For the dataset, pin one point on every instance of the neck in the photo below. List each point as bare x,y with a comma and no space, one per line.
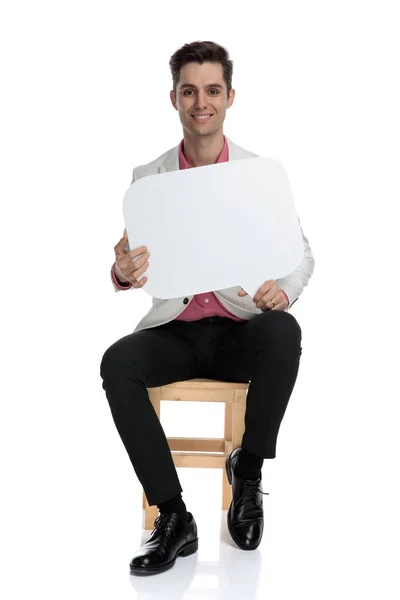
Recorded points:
202,150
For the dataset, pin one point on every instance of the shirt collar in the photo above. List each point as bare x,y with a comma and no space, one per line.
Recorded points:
223,157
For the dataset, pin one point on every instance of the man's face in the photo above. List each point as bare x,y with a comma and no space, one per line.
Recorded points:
201,90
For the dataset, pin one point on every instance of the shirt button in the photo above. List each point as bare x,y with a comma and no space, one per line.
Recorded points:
206,300
186,300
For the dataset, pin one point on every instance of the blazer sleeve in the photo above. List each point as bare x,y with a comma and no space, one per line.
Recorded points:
294,283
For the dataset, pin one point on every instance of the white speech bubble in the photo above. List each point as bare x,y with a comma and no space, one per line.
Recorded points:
214,227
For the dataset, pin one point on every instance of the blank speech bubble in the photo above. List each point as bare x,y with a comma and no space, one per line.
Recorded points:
214,227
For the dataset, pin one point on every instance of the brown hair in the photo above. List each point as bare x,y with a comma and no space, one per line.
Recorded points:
201,52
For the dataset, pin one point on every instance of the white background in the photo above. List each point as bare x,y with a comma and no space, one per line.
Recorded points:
85,98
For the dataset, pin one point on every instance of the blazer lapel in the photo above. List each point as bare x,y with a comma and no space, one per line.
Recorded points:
171,162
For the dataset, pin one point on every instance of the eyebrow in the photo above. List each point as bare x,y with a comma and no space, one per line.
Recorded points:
190,85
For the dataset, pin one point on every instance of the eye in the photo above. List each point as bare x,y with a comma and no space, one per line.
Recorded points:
185,92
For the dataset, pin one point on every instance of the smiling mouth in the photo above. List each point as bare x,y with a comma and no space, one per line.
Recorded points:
201,118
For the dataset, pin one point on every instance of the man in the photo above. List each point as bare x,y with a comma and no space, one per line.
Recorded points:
222,334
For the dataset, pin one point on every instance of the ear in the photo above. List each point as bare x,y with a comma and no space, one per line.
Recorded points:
173,99
231,98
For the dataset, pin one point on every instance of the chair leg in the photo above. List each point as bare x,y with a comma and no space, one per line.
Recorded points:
226,491
228,421
239,410
226,488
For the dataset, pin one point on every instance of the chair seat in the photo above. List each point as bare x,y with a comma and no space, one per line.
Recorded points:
206,383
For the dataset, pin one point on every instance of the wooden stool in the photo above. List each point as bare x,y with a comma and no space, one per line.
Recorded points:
203,452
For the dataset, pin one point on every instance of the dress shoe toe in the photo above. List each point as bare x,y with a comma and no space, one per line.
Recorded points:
247,535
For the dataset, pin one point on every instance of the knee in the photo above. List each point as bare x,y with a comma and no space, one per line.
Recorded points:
111,360
280,326
124,356
107,361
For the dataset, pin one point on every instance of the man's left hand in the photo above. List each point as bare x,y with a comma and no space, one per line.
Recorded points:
270,290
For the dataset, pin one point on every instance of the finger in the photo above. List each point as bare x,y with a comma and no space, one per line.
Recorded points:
132,271
138,272
279,306
139,284
135,274
127,261
119,248
263,302
275,294
260,292
263,290
137,251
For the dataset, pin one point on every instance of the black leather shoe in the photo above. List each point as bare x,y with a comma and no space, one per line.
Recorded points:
170,538
245,514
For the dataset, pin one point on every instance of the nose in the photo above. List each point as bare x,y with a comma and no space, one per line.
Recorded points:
201,100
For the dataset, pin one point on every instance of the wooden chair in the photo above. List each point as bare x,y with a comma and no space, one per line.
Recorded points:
203,452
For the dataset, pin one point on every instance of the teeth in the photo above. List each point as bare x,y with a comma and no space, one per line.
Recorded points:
201,116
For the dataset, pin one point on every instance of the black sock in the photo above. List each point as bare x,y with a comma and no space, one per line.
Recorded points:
248,465
176,505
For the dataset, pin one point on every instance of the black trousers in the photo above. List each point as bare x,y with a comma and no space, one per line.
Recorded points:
264,351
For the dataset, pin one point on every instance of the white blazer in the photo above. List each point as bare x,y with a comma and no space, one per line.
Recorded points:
163,311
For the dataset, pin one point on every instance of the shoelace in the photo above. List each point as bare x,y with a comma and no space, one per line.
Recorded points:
252,489
161,524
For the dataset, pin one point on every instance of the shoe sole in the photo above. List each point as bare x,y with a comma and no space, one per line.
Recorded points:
232,533
186,550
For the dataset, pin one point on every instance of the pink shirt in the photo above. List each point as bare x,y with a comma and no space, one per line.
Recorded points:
202,305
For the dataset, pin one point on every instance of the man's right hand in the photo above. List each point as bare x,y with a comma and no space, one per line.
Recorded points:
126,269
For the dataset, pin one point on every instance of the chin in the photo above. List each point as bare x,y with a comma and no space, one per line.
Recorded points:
204,132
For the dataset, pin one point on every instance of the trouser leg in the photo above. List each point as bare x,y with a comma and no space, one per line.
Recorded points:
148,358
266,351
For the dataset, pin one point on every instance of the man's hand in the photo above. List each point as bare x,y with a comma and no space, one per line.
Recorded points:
270,290
126,268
